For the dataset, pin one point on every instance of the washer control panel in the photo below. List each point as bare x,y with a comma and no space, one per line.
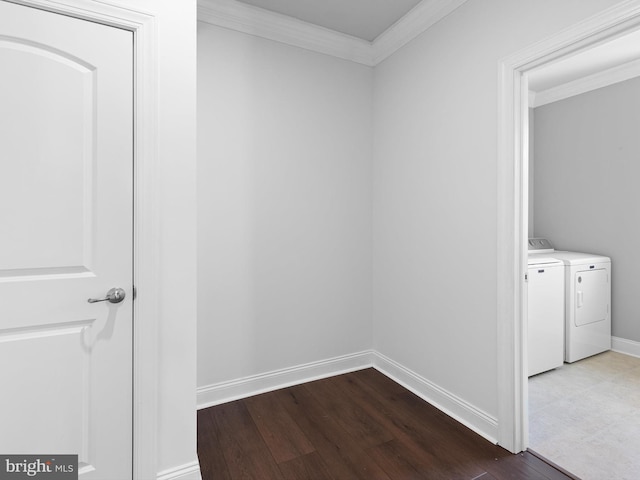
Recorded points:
537,244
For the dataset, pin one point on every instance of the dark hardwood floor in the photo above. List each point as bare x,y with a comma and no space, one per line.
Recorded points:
360,425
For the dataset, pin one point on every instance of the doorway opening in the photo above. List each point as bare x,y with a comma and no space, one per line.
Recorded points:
581,41
582,171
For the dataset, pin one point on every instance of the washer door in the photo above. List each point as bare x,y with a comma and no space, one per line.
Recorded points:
592,296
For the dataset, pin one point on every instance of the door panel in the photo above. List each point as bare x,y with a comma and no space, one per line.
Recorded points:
48,139
50,359
66,203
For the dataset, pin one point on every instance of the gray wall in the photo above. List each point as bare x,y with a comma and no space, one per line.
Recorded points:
531,170
435,191
586,177
284,206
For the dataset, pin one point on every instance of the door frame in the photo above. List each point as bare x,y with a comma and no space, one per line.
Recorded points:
146,214
513,160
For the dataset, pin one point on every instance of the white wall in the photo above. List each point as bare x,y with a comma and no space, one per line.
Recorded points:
284,205
178,267
435,190
586,186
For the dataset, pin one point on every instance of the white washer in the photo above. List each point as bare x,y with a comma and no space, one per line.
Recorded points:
588,304
545,309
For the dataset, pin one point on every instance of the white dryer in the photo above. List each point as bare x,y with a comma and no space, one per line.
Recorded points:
588,304
545,309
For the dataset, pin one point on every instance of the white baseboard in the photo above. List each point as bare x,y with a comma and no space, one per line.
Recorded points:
245,387
462,411
480,422
189,471
628,347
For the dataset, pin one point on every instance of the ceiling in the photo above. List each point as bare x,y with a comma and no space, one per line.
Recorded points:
364,19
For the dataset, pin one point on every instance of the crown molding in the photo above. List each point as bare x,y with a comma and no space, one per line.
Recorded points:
419,19
263,23
282,28
602,79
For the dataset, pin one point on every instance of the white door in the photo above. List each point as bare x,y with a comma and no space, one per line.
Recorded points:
66,214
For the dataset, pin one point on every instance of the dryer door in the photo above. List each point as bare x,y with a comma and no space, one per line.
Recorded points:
592,296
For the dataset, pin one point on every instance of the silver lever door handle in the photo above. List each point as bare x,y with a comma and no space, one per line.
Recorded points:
115,295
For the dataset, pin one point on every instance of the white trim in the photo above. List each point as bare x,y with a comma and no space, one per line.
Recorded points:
146,256
628,347
511,299
99,12
602,79
266,382
480,422
510,266
190,471
419,19
263,23
146,247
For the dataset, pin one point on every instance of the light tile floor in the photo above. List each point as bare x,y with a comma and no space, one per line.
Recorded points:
585,417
